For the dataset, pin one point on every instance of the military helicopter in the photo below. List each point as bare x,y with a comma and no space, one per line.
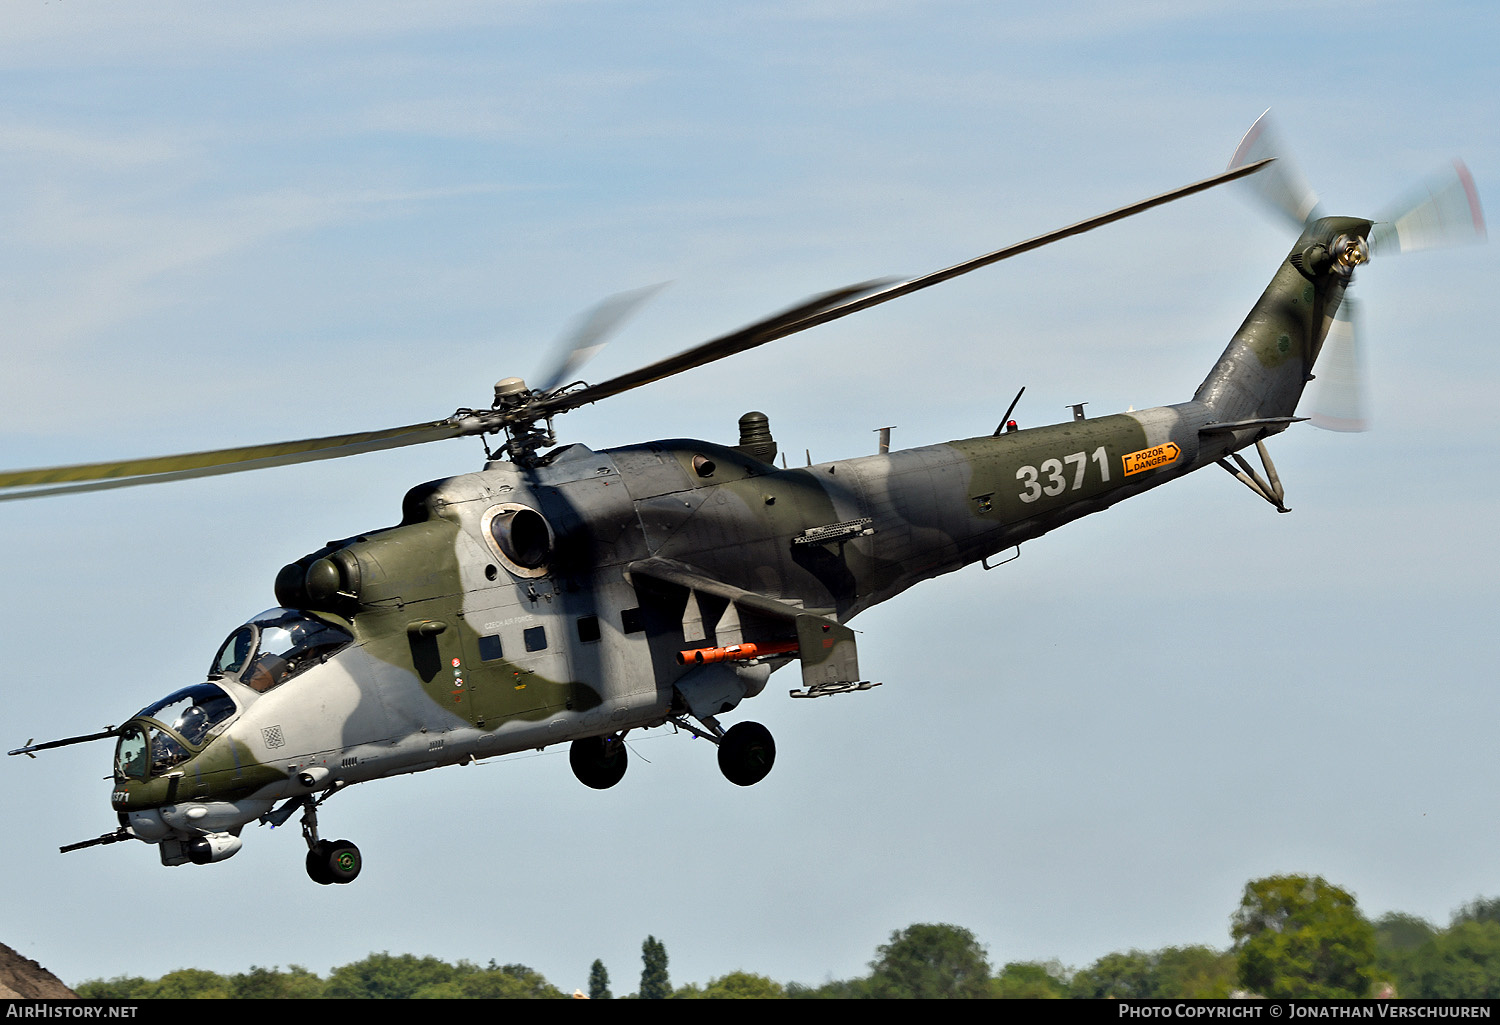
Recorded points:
560,595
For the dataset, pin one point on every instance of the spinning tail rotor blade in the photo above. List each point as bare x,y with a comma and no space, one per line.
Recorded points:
1281,186
1339,401
1443,212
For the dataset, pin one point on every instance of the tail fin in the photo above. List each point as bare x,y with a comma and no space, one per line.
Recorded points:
1269,361
1270,358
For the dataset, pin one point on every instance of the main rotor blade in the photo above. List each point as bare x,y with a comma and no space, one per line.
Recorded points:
762,331
834,305
573,350
820,309
129,472
1037,242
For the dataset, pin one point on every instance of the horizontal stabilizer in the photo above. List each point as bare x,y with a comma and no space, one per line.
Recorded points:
1231,426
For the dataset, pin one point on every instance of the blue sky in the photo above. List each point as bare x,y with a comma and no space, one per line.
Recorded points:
253,222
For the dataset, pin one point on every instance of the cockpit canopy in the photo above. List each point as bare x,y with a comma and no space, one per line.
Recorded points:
264,653
185,717
274,647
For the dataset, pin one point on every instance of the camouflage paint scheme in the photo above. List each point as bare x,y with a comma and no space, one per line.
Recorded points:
673,545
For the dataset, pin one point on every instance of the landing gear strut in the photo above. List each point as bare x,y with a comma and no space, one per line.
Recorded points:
746,749
599,762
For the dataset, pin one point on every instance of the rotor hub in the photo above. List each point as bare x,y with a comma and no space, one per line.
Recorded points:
1349,251
510,392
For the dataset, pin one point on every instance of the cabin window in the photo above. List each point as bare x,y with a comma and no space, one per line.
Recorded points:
631,621
588,628
489,648
536,638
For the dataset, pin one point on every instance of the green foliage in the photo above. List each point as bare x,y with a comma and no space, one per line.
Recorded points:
183,984
1192,972
599,981
1395,931
1397,939
1296,936
1030,980
1196,973
1127,976
510,982
930,961
121,987
383,976
734,986
504,982
848,989
296,983
386,977
192,984
1480,909
377,976
1461,962
654,982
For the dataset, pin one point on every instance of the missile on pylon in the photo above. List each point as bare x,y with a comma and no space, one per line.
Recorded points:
735,653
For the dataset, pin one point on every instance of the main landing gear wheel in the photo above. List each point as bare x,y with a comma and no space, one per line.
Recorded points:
333,861
746,753
598,762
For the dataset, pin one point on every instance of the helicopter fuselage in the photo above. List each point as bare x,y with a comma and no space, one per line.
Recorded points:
461,650
584,594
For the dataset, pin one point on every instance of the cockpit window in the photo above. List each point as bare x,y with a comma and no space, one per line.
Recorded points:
165,751
192,711
289,643
275,646
187,714
231,657
130,754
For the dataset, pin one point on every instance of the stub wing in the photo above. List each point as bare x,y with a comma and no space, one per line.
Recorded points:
825,648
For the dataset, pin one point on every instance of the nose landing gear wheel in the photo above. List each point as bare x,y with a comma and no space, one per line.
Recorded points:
333,861
746,753
598,762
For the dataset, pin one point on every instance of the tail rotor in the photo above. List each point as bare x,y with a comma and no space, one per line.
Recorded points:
1442,212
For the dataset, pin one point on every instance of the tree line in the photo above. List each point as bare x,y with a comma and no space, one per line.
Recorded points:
1291,936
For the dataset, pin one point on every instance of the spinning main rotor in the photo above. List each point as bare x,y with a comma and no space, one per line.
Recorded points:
525,414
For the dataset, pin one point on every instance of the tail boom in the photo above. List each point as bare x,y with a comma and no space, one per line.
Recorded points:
1269,360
